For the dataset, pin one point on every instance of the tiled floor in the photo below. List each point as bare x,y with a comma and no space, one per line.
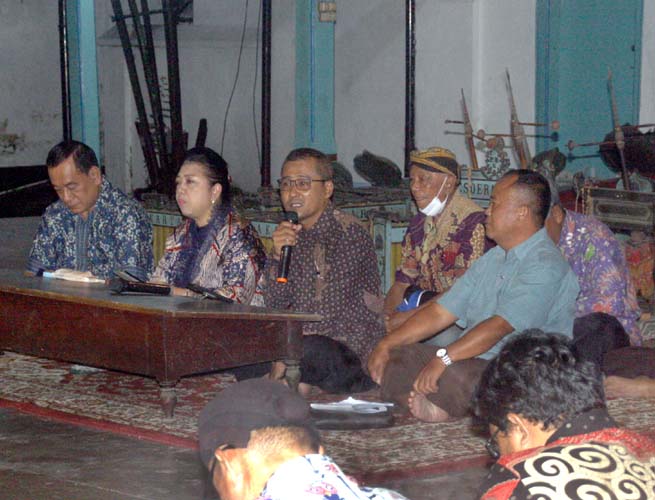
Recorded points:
44,460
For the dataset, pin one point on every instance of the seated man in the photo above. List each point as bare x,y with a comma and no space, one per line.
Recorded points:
333,272
93,227
598,261
549,425
258,442
522,283
442,240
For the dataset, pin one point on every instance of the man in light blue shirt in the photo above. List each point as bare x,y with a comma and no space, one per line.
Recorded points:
522,283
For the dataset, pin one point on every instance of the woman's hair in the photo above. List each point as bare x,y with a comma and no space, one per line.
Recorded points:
215,168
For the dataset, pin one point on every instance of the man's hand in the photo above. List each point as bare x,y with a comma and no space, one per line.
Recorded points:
397,318
286,234
427,381
377,362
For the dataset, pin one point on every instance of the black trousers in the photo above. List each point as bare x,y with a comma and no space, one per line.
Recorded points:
596,334
326,363
600,338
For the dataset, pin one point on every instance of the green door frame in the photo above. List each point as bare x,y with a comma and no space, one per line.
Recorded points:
548,14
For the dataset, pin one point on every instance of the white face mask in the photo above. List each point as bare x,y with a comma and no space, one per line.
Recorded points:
436,206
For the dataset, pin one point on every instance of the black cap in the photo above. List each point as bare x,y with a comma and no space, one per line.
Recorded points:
245,406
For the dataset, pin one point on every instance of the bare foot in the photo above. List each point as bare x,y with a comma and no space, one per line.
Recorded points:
306,390
424,409
278,370
620,387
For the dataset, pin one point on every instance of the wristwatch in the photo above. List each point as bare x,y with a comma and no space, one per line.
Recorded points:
442,354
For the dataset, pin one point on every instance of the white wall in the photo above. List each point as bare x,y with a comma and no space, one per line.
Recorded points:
505,39
30,95
460,43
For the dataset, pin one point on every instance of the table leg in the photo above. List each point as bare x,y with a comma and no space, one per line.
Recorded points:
292,373
168,397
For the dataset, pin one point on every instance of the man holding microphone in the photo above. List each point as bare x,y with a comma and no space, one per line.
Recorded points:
329,268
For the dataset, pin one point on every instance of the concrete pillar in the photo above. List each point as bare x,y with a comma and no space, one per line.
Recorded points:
85,107
314,100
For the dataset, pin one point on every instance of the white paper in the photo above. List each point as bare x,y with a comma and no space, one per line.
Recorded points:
351,404
72,275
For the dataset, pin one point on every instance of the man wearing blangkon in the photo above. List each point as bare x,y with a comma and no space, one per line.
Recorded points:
93,227
522,283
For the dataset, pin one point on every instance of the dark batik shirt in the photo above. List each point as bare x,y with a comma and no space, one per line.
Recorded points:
587,457
333,273
438,250
116,235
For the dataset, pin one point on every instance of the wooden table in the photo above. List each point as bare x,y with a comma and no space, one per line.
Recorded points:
156,336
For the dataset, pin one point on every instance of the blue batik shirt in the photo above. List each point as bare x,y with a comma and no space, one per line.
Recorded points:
530,286
117,235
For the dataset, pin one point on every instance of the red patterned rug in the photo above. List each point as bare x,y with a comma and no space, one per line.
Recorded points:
129,405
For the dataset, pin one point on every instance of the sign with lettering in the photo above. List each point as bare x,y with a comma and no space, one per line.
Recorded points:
478,188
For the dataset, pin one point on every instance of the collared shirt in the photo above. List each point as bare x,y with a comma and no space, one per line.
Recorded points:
530,286
587,457
317,477
333,272
438,250
597,259
116,235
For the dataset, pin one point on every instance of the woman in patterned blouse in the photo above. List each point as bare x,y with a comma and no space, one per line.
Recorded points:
213,248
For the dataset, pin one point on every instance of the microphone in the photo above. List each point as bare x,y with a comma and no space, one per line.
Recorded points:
285,259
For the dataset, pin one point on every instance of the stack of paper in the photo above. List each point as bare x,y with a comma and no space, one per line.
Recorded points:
353,405
72,275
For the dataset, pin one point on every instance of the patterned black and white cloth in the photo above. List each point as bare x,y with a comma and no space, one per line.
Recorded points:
587,457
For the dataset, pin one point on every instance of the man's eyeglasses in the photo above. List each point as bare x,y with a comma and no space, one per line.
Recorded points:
303,184
492,446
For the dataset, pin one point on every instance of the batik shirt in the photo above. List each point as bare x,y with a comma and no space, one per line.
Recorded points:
333,272
598,261
228,260
438,250
317,477
587,457
116,235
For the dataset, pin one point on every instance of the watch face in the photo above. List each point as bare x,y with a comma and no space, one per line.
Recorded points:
441,353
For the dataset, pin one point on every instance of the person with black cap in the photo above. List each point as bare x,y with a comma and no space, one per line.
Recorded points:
257,440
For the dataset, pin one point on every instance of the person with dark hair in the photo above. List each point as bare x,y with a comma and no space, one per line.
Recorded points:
258,442
93,227
522,283
442,240
550,430
332,272
598,261
213,248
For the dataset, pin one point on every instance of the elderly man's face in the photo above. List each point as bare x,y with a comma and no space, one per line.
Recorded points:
308,204
79,191
425,185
